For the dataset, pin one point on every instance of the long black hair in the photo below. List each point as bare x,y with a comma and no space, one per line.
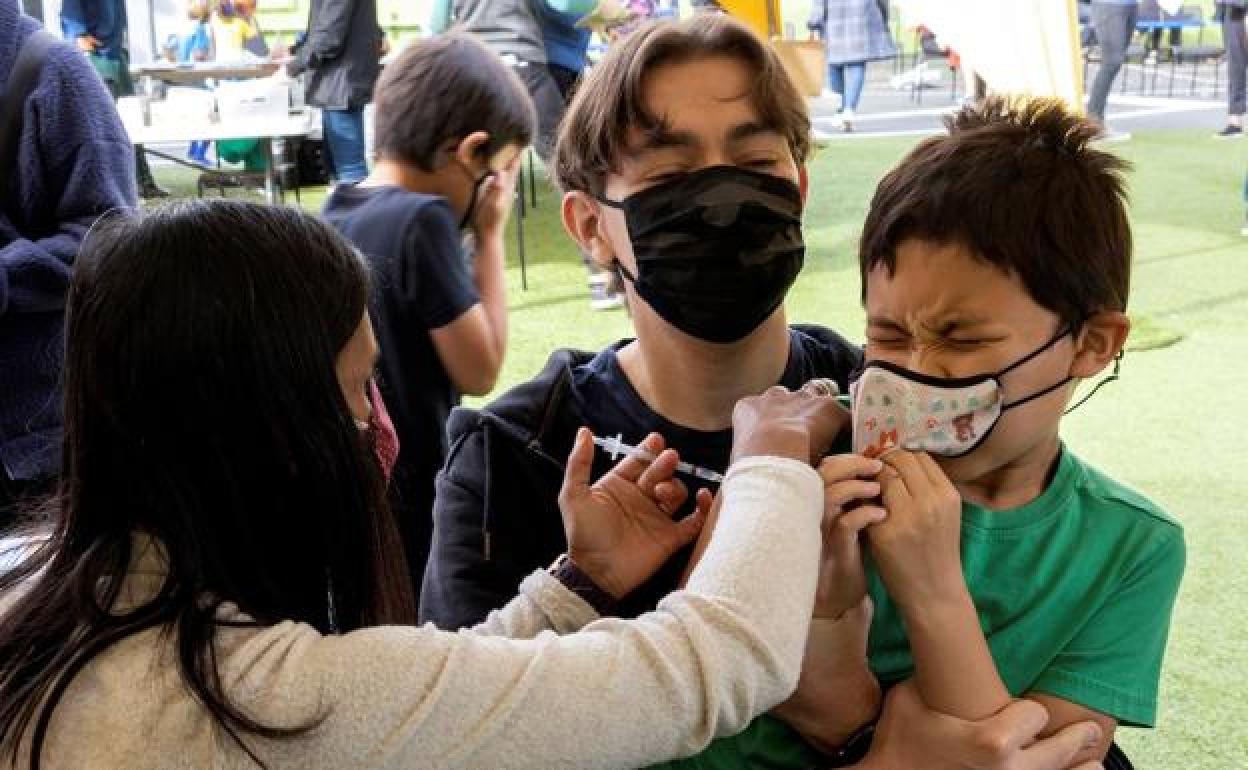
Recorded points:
202,410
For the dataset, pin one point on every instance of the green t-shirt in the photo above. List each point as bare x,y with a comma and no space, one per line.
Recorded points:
1074,592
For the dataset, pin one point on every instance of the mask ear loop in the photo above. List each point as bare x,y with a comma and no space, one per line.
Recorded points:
1113,376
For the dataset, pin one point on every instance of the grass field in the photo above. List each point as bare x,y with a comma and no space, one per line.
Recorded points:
1170,427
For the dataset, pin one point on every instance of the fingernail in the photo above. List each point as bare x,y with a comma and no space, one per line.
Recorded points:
1092,739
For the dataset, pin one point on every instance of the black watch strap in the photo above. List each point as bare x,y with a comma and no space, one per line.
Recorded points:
853,750
566,572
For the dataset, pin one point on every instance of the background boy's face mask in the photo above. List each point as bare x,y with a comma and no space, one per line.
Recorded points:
896,408
716,249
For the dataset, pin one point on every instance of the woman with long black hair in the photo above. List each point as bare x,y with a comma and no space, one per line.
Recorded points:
222,584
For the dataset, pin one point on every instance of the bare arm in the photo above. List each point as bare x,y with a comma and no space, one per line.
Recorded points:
918,549
472,346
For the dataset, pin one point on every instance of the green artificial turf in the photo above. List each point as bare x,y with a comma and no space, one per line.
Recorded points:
1170,427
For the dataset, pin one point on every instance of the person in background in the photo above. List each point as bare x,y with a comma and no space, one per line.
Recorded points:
440,318
854,33
198,46
254,42
98,28
341,54
1114,22
1235,37
71,162
1151,10
567,54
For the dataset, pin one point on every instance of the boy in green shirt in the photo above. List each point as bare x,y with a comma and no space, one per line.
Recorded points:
995,268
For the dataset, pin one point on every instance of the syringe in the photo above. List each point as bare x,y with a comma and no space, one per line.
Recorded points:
617,448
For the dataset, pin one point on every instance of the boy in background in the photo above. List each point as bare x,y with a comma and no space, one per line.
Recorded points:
440,317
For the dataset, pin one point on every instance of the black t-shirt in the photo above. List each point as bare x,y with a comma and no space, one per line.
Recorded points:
421,282
611,406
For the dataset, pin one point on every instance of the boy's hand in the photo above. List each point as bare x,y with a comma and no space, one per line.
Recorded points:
918,547
849,486
495,199
837,693
87,43
620,530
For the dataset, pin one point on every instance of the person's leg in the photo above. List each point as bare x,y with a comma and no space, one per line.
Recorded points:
344,144
836,80
855,79
1236,41
549,103
1114,26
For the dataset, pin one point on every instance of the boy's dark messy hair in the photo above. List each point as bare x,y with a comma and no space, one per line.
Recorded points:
446,88
1018,183
609,104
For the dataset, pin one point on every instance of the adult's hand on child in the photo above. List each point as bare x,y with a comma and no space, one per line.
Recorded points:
620,529
918,546
800,425
837,693
496,197
910,735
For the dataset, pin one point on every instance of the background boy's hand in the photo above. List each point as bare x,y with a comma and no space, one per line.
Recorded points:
918,547
620,530
495,199
87,43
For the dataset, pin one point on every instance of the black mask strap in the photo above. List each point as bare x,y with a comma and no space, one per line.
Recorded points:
472,202
1034,396
1111,378
603,199
1061,332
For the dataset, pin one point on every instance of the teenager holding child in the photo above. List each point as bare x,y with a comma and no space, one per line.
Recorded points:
682,160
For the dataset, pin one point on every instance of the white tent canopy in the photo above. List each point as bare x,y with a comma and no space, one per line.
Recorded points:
1017,46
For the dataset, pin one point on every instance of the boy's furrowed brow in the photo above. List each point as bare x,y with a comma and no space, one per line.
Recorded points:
663,138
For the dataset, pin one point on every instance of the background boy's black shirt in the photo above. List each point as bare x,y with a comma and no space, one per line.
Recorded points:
421,282
496,512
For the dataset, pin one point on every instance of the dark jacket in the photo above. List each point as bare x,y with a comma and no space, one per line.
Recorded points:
496,516
74,163
341,52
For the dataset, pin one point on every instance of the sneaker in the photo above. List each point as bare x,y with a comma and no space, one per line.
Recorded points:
600,295
847,121
1231,131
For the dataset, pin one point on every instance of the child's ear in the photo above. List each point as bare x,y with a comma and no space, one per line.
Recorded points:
582,218
1100,340
471,149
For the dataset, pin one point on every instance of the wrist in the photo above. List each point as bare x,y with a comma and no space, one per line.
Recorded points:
935,610
587,584
774,441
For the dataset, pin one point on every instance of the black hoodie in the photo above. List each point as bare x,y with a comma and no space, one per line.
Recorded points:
496,515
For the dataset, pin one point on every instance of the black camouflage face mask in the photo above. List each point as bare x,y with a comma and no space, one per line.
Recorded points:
717,249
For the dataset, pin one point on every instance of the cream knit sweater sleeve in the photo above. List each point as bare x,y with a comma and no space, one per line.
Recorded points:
615,694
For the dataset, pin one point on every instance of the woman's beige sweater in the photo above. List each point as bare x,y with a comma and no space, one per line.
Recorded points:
520,690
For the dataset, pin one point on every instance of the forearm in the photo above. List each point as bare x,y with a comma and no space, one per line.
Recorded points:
543,604
954,669
491,282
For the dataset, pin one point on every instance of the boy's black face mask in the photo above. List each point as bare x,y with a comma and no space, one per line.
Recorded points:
717,249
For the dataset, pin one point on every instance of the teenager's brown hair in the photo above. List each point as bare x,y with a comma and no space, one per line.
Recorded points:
446,88
1018,183
609,103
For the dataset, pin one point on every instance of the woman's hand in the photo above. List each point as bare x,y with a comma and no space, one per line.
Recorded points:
910,735
918,547
799,425
620,530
